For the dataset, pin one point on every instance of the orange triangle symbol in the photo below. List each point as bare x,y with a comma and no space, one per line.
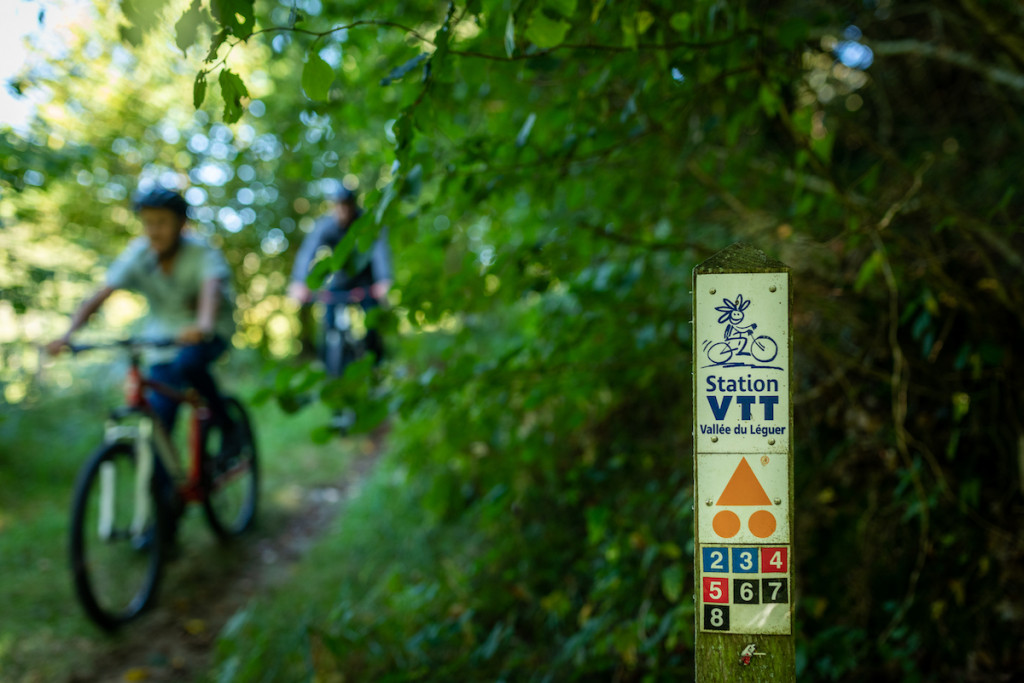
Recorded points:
743,488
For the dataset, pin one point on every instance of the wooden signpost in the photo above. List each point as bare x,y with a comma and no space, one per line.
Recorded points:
743,468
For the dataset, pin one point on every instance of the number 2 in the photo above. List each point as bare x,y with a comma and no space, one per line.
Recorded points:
717,560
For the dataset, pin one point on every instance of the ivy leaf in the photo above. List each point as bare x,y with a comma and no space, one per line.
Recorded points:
187,28
199,89
317,76
544,32
233,90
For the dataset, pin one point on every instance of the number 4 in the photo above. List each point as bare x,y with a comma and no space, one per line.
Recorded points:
775,560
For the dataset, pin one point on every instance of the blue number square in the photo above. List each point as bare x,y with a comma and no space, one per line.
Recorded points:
744,560
715,559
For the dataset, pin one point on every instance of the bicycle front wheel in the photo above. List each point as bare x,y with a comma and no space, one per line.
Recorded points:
232,475
117,530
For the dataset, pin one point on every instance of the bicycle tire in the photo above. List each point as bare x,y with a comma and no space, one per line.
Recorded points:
720,353
764,349
221,475
111,601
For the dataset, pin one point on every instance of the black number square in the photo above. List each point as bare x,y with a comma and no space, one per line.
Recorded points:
716,618
745,591
775,590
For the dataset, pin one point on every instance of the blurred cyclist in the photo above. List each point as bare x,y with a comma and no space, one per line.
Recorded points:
365,277
187,285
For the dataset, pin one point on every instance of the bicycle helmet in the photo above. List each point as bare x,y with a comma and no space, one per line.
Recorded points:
162,198
344,195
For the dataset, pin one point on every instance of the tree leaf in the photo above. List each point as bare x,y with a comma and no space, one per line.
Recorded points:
403,69
524,132
644,20
233,90
215,43
199,90
510,36
629,38
187,28
565,8
681,21
672,582
236,16
317,76
544,32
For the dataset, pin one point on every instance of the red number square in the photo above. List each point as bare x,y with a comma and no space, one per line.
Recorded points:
716,590
774,560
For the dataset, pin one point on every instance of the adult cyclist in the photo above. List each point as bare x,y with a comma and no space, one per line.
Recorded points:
364,278
187,284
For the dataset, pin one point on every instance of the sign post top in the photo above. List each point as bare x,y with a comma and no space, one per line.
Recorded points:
740,258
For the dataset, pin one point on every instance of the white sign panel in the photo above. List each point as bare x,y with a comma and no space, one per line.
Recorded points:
742,498
742,363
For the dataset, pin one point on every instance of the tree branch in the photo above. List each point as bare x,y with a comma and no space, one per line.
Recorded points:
944,53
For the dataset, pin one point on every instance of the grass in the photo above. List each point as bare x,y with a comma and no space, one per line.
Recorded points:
44,635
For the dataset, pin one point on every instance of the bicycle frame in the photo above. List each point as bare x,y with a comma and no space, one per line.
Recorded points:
148,432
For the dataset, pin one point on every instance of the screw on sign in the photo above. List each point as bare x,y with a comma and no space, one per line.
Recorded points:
749,653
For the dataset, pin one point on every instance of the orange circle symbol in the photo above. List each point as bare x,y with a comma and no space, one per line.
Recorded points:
762,524
727,524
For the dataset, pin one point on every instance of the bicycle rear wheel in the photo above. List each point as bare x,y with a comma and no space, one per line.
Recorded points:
232,477
117,533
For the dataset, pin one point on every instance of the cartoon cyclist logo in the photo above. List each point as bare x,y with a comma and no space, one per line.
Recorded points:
739,340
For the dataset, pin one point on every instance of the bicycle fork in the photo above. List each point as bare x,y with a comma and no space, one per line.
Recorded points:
141,438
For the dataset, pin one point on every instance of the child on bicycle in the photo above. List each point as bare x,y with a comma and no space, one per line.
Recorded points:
187,285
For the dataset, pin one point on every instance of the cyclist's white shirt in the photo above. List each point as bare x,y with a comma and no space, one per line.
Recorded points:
174,297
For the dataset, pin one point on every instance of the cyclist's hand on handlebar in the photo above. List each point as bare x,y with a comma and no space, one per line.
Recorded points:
191,335
379,290
300,292
57,346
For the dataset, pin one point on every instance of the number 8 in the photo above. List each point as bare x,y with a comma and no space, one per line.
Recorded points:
717,617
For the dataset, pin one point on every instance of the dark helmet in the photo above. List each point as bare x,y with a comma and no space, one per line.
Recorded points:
162,198
343,195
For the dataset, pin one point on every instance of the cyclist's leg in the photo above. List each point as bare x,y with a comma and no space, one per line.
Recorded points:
166,410
374,340
331,348
192,365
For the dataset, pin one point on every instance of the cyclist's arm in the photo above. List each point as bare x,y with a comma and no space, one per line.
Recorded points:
297,288
81,316
206,313
382,267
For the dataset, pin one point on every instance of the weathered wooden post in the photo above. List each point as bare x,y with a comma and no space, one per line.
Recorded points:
743,468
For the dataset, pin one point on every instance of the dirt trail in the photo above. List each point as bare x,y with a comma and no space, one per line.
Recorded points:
206,586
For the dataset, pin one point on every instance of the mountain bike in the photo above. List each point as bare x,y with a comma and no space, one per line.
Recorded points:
763,348
123,515
345,340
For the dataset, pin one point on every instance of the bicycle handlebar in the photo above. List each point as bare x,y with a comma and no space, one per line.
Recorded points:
341,296
131,343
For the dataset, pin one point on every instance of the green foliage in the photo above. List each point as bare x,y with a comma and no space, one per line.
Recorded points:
562,167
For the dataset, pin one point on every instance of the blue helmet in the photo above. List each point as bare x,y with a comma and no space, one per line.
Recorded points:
343,195
162,198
